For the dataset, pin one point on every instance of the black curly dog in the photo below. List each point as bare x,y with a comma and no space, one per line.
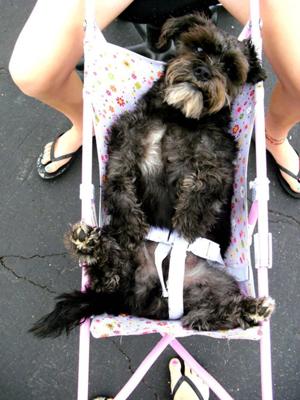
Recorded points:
171,165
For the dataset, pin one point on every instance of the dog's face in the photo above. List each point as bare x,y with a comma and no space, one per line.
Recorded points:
209,66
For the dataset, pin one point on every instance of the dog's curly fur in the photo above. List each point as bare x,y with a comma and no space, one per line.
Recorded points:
171,165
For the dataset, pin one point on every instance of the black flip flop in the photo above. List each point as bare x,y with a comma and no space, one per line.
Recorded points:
186,379
51,175
281,179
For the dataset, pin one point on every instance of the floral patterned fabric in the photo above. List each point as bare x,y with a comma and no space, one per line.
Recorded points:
115,78
106,325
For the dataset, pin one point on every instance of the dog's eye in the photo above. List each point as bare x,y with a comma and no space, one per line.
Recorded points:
230,71
198,49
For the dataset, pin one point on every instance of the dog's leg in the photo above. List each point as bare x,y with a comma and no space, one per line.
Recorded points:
234,311
201,198
213,300
128,223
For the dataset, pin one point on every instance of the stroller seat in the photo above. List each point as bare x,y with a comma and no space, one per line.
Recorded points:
115,78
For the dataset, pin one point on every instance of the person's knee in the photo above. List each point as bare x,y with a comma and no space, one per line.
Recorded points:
30,78
290,90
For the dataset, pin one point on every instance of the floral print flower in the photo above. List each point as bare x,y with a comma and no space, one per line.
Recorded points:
235,129
120,101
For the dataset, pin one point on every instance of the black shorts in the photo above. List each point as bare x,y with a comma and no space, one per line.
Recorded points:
156,12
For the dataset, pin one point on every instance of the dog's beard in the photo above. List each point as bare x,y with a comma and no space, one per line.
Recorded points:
194,98
186,98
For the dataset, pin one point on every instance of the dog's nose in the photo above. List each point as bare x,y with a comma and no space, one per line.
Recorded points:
202,73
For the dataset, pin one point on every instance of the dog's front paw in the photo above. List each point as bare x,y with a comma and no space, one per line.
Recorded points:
83,240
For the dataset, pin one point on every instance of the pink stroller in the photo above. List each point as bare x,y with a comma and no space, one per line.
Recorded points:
114,79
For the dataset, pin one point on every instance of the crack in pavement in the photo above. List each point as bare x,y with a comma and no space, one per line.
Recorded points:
282,215
33,256
130,368
119,348
24,278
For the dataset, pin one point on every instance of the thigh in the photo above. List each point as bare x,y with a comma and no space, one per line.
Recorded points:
281,35
51,41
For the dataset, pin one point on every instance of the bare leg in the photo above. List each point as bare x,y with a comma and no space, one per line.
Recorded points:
44,59
280,30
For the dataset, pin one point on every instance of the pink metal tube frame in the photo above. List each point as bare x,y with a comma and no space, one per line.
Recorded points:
86,215
144,368
209,379
259,209
262,190
185,355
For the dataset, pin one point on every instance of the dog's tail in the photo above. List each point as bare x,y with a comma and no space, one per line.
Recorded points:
72,309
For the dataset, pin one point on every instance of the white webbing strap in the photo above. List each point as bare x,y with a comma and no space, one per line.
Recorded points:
176,277
207,249
161,252
177,247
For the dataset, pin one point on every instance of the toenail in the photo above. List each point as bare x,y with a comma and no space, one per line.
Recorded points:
174,362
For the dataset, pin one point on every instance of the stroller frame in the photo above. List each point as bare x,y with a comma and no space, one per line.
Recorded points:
262,245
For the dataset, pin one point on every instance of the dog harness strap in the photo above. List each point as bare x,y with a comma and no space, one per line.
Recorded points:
176,278
207,249
165,241
161,252
177,246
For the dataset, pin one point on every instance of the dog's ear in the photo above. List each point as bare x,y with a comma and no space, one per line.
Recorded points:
256,72
173,27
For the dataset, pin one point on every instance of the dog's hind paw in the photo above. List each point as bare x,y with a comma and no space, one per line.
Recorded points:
257,310
83,239
109,283
194,321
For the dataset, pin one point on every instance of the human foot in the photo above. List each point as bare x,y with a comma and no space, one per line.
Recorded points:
54,159
102,398
188,386
285,156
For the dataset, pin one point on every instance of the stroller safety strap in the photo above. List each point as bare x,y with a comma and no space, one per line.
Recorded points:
176,246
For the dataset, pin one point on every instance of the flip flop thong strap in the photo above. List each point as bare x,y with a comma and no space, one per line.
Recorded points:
186,379
283,169
64,156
